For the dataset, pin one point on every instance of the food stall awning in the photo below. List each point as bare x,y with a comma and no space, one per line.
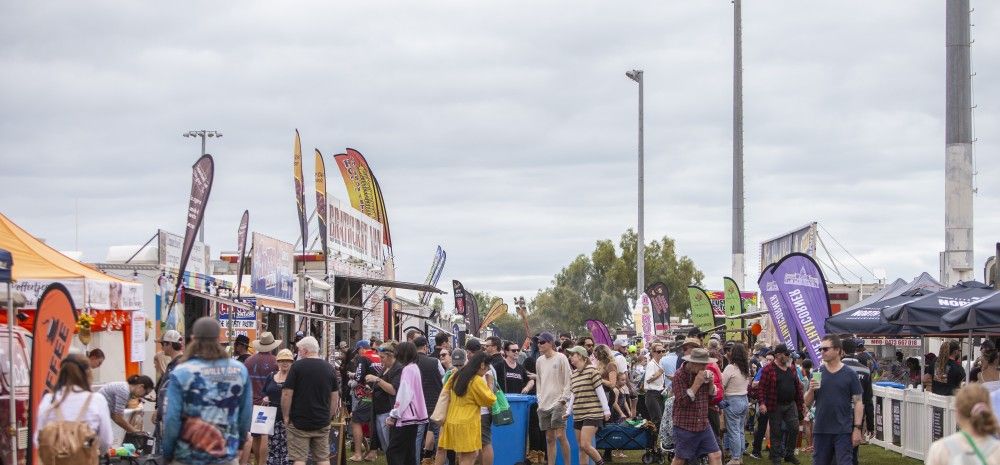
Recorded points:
245,306
336,305
394,284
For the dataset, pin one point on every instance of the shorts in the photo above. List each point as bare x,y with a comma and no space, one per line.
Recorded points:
689,445
578,425
362,412
303,443
552,419
486,431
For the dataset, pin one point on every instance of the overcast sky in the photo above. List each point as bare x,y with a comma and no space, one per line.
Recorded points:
503,131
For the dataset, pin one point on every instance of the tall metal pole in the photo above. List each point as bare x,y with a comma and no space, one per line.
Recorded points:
12,407
738,273
956,260
636,75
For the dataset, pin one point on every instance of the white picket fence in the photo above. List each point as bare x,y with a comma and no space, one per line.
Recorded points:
908,421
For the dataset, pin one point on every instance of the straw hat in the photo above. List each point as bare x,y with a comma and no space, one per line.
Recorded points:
691,341
699,355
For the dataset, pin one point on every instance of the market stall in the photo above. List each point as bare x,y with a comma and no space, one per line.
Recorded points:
109,303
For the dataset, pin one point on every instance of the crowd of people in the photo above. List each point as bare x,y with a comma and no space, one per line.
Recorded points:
421,401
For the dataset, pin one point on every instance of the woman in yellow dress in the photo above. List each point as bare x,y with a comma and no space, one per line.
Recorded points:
469,392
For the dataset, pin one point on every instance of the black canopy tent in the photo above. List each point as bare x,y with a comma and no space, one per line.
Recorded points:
868,321
924,315
975,316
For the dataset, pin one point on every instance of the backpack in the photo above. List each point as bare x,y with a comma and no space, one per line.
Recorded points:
68,442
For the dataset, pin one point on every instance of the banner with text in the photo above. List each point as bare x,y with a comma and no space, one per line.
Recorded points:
241,249
355,234
800,240
803,287
202,174
659,298
322,210
362,188
701,308
777,308
300,190
55,324
733,306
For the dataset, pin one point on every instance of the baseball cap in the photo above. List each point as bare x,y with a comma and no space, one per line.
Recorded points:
171,336
242,339
420,341
458,357
362,344
207,327
546,337
473,345
849,346
621,342
579,351
762,352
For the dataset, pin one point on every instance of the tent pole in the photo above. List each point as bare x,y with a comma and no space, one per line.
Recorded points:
12,408
968,373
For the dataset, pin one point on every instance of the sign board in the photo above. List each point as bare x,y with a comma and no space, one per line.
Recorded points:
801,240
881,341
138,339
937,423
273,271
243,322
879,420
170,254
718,301
355,234
897,422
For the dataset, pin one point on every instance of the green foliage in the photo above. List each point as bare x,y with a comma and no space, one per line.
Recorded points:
603,285
437,304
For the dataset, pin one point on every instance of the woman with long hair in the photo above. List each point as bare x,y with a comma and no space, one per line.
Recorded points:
976,441
987,371
118,395
468,392
588,405
409,410
608,370
72,399
735,381
277,446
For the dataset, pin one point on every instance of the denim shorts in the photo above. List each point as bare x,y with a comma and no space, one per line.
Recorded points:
689,445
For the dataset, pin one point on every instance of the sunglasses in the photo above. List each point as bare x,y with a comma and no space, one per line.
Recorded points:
660,351
542,342
514,350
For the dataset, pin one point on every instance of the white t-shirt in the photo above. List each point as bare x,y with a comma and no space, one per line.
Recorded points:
652,369
97,415
621,362
955,449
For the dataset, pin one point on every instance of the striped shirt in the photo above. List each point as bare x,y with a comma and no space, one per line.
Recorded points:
586,405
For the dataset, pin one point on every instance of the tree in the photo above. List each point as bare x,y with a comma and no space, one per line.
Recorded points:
603,285
437,304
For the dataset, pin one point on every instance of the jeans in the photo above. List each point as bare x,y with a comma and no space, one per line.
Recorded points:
736,416
784,423
654,406
435,429
382,430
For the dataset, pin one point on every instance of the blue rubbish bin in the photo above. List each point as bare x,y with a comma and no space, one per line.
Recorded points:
510,441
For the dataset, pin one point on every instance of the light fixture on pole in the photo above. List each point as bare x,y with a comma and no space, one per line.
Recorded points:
636,75
202,133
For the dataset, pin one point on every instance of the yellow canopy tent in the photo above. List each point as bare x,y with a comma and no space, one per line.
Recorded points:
36,265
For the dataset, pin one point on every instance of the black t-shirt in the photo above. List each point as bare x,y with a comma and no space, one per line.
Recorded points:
513,380
954,375
381,400
786,384
312,381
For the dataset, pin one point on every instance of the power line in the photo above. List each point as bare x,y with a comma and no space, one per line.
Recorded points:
849,254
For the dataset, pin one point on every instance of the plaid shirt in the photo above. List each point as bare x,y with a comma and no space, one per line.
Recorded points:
768,388
691,415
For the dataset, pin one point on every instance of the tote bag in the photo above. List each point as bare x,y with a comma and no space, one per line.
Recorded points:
501,410
263,420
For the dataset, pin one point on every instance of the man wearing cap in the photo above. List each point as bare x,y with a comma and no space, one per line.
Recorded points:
173,347
694,391
260,366
781,400
620,349
554,390
206,417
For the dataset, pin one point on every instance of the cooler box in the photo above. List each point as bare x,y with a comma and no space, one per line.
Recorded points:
510,441
623,437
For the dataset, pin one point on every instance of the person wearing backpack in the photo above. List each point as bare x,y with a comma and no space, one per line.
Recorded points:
73,424
976,441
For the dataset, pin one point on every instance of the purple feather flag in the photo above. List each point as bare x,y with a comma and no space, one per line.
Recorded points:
599,331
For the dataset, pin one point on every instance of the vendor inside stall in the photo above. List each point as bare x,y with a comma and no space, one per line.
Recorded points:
118,395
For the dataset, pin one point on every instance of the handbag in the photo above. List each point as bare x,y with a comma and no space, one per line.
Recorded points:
263,420
444,399
501,410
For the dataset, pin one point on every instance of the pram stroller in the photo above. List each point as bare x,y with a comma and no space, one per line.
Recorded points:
626,436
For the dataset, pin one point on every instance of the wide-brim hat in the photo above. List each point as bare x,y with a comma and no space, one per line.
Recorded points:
266,343
699,355
691,341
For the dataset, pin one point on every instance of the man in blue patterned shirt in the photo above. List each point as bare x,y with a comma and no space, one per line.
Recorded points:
208,404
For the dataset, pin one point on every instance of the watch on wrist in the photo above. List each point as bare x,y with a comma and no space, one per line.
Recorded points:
857,427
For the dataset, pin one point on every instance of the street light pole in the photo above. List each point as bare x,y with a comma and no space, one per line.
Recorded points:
636,75
202,133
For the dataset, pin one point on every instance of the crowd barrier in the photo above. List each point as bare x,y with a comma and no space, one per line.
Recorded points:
907,421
